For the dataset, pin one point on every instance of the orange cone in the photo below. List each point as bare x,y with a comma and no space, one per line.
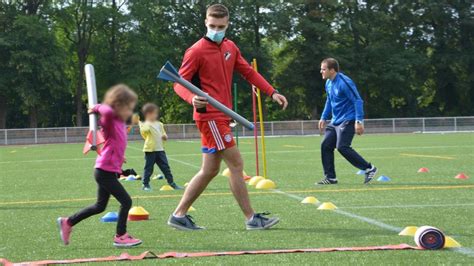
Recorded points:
423,170
461,176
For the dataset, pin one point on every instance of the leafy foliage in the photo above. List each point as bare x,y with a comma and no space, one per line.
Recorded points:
408,58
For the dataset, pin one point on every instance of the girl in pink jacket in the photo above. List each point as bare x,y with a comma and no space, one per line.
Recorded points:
118,105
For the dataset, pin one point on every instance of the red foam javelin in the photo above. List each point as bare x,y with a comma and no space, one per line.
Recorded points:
99,141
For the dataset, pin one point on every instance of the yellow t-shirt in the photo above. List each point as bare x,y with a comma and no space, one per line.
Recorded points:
152,133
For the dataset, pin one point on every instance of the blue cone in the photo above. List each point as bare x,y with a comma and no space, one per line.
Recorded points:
110,217
383,178
360,172
131,178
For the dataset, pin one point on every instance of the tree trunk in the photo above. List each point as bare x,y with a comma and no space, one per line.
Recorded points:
256,27
79,89
466,36
31,7
315,113
354,15
114,74
33,116
3,112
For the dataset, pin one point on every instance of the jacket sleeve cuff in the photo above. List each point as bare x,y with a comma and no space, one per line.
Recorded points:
96,107
271,91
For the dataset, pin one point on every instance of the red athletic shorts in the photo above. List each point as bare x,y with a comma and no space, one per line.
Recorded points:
215,135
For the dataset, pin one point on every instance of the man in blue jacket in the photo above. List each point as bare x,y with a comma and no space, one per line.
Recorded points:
346,107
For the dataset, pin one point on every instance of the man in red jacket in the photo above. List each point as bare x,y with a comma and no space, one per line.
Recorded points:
209,64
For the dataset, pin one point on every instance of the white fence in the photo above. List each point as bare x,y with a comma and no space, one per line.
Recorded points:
276,128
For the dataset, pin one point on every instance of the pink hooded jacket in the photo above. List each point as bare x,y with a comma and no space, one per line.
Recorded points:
115,135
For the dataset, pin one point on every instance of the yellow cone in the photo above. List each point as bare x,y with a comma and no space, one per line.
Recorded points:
265,184
254,180
186,184
327,206
191,209
166,188
138,210
138,213
451,243
226,172
310,200
408,231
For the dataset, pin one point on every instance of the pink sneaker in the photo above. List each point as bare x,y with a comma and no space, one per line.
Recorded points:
126,240
64,229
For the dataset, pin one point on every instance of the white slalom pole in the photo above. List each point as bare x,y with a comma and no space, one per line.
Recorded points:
92,101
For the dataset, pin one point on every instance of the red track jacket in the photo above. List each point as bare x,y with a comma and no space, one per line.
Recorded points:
210,67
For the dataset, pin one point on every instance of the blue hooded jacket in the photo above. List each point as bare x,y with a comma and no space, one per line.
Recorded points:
343,100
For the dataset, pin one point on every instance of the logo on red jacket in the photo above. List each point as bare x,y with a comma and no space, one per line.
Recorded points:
228,138
227,55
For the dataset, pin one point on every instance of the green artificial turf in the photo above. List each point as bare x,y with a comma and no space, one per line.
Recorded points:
38,183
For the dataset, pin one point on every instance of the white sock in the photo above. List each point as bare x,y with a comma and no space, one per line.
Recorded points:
370,168
250,219
177,216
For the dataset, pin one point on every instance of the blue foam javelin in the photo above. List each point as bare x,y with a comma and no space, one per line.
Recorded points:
169,73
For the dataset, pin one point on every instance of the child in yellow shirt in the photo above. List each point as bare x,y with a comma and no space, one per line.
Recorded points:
153,132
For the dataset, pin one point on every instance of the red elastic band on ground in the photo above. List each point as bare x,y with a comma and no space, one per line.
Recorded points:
167,255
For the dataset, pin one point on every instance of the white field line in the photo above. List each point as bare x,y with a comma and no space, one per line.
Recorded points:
462,250
269,152
365,219
48,160
408,206
172,159
465,251
348,214
185,163
369,220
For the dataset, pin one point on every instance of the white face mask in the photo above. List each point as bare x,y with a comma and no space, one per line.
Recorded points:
215,35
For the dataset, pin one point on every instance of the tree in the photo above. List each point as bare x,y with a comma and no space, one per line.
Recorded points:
297,61
78,22
7,16
408,58
38,64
